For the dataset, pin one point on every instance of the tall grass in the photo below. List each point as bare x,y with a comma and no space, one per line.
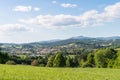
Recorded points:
18,72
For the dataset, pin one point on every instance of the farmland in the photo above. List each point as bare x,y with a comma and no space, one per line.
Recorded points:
20,72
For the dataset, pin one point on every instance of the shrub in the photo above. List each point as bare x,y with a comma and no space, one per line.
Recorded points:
10,62
42,65
35,63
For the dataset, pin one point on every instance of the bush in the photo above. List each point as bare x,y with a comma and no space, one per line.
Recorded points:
10,62
35,63
42,65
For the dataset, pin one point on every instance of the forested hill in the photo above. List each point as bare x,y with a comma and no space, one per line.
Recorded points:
81,39
79,42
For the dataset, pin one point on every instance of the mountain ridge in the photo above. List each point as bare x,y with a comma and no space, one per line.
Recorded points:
76,37
52,46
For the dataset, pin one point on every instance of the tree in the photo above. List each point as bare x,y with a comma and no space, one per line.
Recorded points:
68,61
75,62
103,56
40,60
59,60
90,61
117,61
111,63
3,57
50,61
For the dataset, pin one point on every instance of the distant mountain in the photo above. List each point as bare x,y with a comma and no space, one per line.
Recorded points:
81,37
97,40
58,42
109,38
101,38
67,44
49,41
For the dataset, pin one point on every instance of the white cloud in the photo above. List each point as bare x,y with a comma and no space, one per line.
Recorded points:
68,5
89,18
112,11
54,2
11,28
36,9
23,8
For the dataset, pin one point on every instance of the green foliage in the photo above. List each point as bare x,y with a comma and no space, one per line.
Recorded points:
3,57
42,65
59,60
90,61
117,61
50,61
111,63
103,56
75,62
40,60
68,62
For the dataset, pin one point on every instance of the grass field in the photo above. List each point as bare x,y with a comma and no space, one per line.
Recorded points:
18,72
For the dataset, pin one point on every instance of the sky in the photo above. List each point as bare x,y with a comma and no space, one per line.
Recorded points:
24,21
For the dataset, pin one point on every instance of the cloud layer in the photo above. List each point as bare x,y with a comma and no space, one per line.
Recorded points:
11,28
89,18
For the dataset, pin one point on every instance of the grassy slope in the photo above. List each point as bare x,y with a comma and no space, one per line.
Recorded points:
9,72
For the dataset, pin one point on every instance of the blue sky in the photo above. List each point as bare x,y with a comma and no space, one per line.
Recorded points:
23,21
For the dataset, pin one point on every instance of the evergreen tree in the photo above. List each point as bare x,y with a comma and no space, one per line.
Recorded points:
3,57
90,61
75,62
59,60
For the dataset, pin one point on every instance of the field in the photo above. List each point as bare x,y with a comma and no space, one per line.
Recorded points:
19,72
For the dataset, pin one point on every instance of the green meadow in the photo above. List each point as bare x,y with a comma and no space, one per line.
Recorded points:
20,72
